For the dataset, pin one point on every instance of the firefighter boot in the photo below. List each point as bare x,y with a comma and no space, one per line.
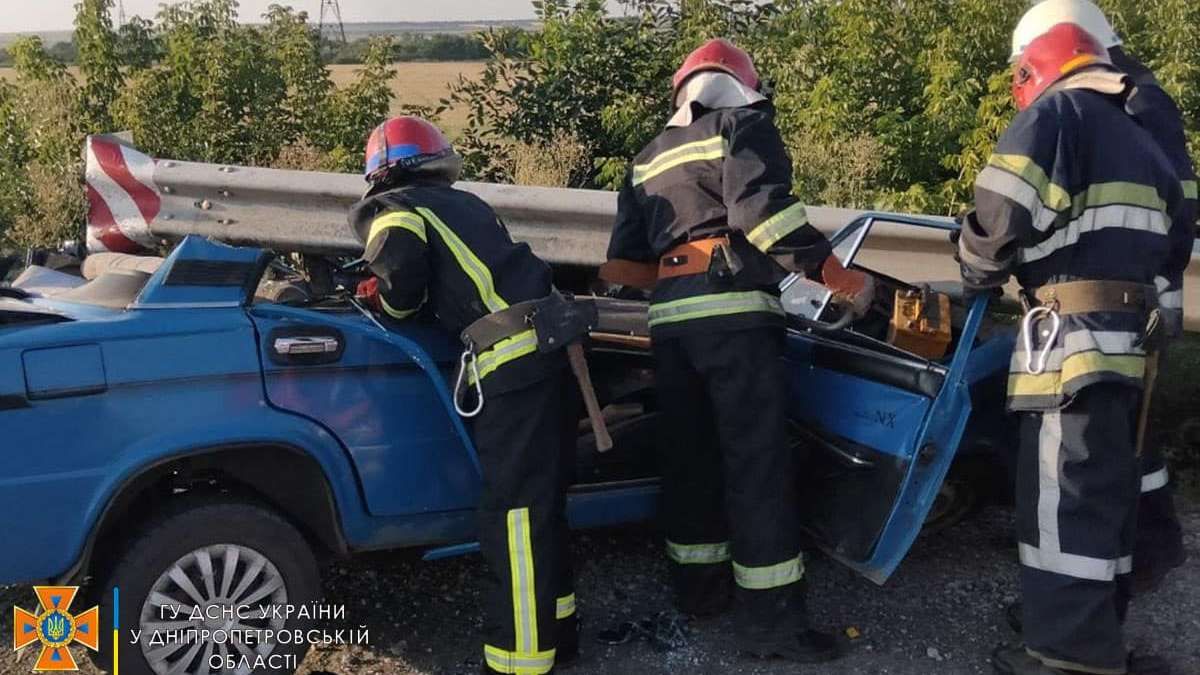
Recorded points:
1017,661
774,624
567,652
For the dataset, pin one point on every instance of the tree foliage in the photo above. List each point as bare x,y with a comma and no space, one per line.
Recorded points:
193,84
889,103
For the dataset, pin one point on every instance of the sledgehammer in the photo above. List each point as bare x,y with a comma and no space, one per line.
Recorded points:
579,366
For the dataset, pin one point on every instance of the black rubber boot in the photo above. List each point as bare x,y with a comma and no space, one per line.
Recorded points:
774,624
1012,614
567,652
1008,660
1016,661
807,646
704,595
1148,576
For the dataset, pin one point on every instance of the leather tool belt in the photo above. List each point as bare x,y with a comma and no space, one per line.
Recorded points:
693,257
1081,297
558,321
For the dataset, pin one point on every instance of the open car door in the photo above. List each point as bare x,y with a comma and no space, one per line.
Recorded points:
877,427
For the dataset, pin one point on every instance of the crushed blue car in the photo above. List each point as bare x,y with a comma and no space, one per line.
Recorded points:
191,434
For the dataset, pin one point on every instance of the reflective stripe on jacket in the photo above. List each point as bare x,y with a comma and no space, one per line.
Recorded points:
726,171
1076,190
437,247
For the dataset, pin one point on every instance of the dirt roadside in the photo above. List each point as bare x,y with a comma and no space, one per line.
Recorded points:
941,613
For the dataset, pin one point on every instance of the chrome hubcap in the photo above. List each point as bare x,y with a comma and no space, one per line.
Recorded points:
218,592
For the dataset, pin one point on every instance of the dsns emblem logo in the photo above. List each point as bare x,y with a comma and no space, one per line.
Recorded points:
56,628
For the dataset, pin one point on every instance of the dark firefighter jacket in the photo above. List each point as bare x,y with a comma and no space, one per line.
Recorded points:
727,171
437,248
1076,190
1158,114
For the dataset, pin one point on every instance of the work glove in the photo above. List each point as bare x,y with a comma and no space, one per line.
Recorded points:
963,219
367,293
852,289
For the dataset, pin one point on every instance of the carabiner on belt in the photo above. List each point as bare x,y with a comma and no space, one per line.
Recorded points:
468,360
1027,327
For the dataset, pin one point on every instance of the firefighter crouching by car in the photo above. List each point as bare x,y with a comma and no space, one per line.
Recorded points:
433,248
1077,202
1159,547
708,202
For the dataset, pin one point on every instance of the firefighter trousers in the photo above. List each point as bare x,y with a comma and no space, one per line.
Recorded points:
729,483
1159,546
1078,481
526,442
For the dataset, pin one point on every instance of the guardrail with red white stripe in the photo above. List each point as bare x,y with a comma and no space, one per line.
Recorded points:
137,202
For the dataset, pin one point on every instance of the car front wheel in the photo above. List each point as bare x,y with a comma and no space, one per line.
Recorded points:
210,587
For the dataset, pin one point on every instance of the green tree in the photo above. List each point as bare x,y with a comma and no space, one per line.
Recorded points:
99,63
138,46
41,132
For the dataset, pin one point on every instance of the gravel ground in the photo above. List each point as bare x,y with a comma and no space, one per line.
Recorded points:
941,612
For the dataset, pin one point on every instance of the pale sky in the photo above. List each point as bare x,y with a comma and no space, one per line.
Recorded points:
53,15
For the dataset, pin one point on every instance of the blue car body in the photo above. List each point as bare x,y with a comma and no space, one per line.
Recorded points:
92,398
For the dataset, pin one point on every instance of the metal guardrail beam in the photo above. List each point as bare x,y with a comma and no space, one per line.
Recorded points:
306,211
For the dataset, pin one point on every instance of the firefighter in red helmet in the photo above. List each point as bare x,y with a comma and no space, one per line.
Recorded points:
440,251
1074,185
709,202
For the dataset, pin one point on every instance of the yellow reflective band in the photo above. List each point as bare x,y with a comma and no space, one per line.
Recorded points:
1053,196
1122,193
1086,363
697,151
506,350
401,313
1191,190
719,304
520,663
471,265
524,600
401,219
778,226
771,576
698,554
564,607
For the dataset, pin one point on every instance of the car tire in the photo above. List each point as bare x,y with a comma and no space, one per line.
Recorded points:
966,489
200,539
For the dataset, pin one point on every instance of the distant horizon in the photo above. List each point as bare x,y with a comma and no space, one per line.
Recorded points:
56,16
450,22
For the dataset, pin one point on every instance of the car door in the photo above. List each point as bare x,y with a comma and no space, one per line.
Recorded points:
877,429
383,394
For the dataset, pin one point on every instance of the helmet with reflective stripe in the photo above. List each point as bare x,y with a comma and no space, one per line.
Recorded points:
718,54
1062,50
1042,16
412,145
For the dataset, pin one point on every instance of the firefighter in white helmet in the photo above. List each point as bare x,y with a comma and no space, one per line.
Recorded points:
1159,547
1075,184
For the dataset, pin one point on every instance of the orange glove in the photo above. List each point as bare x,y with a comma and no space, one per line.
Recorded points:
853,288
368,293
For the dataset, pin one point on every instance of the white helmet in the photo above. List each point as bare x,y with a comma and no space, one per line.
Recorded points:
1045,15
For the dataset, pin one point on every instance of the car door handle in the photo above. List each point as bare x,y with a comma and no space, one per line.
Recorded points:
307,344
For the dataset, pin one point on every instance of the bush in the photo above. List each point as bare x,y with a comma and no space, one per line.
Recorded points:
891,104
193,85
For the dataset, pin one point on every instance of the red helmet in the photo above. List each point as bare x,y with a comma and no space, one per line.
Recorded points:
719,54
1058,52
413,144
